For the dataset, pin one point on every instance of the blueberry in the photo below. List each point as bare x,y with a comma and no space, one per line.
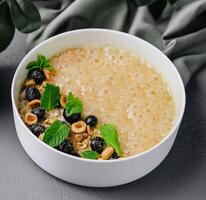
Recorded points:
97,144
32,93
37,75
114,156
67,147
91,120
72,118
39,112
37,129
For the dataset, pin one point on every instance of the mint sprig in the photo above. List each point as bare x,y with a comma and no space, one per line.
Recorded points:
74,105
41,63
56,133
89,155
50,97
110,136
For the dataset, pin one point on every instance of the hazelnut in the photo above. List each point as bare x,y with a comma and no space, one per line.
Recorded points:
34,103
30,118
42,86
29,83
90,130
107,153
48,122
85,143
78,145
48,74
79,127
85,135
63,100
79,137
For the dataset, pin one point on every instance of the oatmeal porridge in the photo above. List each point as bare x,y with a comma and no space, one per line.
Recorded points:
111,102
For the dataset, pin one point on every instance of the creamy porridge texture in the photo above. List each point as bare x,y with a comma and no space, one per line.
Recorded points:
119,88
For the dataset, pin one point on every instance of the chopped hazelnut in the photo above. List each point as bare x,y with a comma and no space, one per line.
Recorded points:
90,130
85,135
79,137
48,122
34,103
63,100
29,83
30,118
78,127
48,74
107,153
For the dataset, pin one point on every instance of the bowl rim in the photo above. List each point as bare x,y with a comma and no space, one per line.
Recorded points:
125,159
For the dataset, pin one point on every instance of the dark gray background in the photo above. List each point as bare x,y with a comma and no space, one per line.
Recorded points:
181,176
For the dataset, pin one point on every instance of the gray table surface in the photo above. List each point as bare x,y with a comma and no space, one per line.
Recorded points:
181,176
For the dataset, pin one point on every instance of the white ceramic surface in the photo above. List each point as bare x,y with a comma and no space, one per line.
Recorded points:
97,173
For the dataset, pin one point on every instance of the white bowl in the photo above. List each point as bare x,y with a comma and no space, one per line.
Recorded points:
96,173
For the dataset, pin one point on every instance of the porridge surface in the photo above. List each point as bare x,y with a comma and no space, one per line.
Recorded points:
119,88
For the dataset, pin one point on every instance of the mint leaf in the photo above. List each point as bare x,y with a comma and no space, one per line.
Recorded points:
89,155
50,97
74,105
34,67
41,63
110,136
31,65
42,60
56,133
49,67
